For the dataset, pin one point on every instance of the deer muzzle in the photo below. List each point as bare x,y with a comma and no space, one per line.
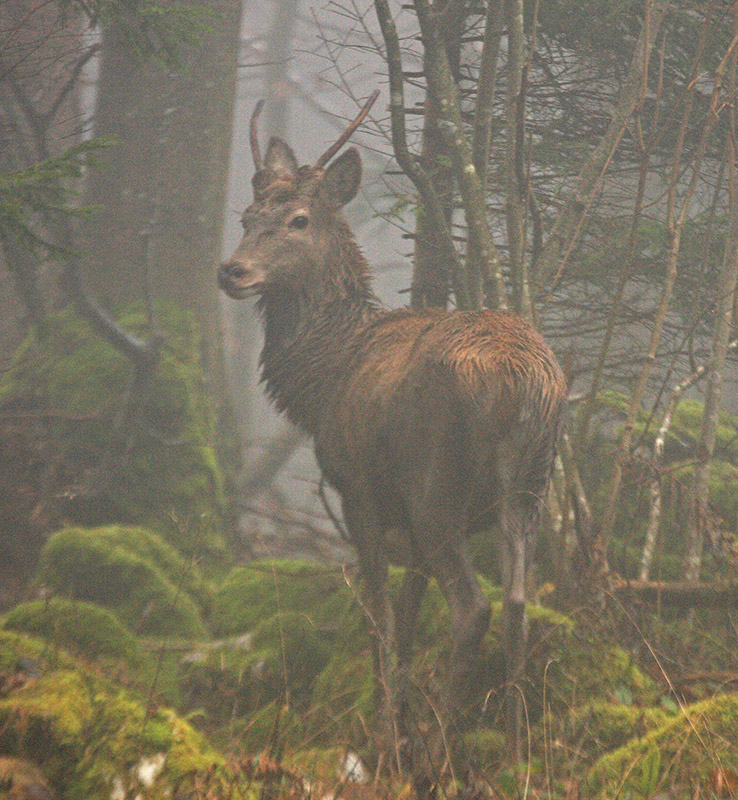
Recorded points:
239,280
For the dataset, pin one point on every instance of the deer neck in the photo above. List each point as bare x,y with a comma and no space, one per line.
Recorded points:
311,334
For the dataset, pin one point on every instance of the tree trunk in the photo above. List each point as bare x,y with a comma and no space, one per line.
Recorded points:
163,191
720,343
431,269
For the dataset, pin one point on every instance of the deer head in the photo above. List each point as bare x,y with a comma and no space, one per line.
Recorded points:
291,228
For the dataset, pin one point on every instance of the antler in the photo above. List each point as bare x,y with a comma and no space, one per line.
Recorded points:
346,135
254,137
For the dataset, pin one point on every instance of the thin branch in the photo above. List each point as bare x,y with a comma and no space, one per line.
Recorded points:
675,227
441,83
486,86
407,161
659,445
49,115
515,142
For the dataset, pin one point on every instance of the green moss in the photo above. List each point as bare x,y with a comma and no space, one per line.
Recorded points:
98,636
170,475
588,668
685,431
85,731
485,746
679,453
124,569
290,653
722,484
215,679
602,726
278,663
685,428
16,648
678,758
82,627
151,547
44,720
250,594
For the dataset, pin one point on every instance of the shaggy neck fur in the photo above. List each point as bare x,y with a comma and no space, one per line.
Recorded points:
312,331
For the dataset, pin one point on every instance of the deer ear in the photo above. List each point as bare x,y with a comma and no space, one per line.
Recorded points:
280,158
342,178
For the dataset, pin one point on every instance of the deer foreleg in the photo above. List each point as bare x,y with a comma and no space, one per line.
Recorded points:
516,525
367,537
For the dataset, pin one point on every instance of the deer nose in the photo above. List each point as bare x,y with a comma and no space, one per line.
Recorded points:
233,269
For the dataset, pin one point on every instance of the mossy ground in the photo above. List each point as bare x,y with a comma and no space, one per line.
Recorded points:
292,680
269,665
694,753
83,628
85,732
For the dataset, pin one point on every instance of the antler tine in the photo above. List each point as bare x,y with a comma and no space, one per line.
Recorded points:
346,135
254,136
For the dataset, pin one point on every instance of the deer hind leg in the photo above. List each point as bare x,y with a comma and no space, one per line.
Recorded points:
367,537
414,584
519,516
445,553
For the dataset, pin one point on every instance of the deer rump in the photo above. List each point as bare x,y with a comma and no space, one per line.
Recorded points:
451,415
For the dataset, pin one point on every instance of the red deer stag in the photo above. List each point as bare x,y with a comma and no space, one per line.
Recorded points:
437,424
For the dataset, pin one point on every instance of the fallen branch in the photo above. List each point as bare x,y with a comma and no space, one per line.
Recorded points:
680,594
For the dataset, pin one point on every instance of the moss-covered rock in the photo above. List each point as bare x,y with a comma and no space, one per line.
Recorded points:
284,616
83,628
241,676
129,570
289,654
96,635
251,594
601,726
88,735
77,384
579,668
686,756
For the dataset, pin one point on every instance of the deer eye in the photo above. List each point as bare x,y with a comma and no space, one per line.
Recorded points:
300,222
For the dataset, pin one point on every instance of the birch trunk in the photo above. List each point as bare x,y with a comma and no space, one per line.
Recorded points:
720,343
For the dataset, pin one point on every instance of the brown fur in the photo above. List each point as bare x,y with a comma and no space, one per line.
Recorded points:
431,423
